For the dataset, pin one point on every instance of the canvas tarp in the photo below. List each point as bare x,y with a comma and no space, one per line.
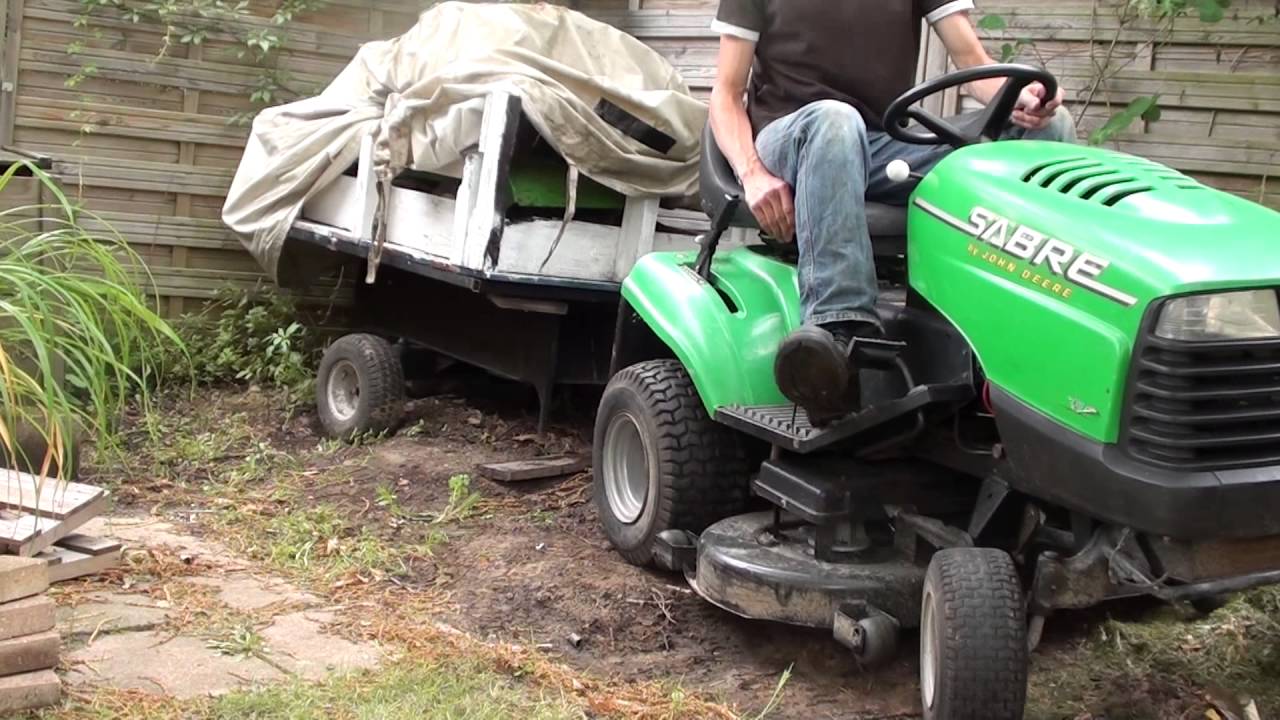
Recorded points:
421,97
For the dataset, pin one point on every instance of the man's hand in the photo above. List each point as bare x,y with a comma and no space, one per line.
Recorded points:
771,202
1033,111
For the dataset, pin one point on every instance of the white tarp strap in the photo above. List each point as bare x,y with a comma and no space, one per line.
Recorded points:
570,208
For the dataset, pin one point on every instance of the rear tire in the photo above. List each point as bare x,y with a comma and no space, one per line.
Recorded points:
660,462
973,637
360,387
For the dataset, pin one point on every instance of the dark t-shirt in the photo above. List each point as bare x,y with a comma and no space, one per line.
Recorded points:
862,52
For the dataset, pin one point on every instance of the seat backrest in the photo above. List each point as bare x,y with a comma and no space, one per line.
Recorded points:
719,186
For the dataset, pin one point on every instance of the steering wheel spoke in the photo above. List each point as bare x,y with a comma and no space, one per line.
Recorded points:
989,125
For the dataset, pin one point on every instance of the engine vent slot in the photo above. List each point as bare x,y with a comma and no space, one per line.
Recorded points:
1107,180
1113,198
1070,185
1096,188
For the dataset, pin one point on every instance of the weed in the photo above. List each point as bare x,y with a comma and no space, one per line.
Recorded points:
252,339
462,501
416,429
543,517
243,641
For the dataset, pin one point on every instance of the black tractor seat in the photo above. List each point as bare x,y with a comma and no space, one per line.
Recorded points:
721,192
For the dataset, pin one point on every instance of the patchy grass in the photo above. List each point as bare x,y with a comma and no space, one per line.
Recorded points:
1161,664
456,691
408,690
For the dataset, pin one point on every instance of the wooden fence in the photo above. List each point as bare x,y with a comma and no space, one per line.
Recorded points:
147,142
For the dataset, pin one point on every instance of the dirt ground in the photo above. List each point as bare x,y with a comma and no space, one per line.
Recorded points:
533,567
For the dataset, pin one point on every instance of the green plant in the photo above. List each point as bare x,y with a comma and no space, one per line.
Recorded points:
253,339
462,501
243,642
78,336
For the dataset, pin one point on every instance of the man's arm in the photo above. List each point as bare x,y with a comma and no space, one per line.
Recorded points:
769,197
1034,111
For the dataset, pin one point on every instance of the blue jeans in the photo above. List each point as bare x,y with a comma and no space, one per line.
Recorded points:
834,163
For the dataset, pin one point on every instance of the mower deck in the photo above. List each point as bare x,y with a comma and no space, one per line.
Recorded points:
748,569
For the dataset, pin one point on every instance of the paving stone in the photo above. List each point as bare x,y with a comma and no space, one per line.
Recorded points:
109,613
183,667
248,592
29,652
26,617
29,691
21,577
299,642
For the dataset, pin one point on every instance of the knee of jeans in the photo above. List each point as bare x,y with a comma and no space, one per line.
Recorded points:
837,127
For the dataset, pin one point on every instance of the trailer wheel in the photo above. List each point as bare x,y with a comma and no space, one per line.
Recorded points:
360,387
973,637
660,463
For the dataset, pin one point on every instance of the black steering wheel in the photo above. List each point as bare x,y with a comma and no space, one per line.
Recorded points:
986,126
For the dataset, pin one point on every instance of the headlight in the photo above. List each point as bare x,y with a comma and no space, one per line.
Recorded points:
1244,315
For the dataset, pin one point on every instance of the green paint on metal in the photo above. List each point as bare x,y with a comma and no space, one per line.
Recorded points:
541,183
1045,256
728,350
1043,336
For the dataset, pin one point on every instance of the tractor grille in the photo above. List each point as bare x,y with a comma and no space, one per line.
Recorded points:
1204,406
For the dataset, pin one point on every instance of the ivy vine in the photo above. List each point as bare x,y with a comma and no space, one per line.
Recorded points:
191,22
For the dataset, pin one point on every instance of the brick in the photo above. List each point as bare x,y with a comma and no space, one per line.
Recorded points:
26,617
29,691
30,652
21,577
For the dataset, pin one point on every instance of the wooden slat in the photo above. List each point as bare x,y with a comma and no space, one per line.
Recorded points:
46,497
89,545
28,534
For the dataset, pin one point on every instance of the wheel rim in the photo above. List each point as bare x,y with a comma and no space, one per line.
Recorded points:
930,655
626,468
343,389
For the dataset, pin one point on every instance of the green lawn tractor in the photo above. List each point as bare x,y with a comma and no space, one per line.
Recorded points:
1079,401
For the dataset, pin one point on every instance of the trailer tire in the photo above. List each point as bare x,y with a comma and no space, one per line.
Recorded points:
360,388
660,462
973,637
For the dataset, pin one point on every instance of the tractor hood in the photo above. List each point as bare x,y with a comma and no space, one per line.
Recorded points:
1159,231
1047,257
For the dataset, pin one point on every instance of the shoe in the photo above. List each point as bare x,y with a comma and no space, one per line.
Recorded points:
815,370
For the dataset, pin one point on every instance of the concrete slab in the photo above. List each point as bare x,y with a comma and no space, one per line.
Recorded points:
183,667
149,532
247,593
106,613
299,642
26,617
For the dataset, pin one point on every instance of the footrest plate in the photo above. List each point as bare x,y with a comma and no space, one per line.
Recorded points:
788,426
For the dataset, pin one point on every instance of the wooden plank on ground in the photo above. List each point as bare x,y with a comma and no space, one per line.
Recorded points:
28,534
89,545
47,497
28,653
21,577
29,691
521,470
67,564
26,617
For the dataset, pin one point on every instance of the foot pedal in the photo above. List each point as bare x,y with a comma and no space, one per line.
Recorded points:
876,352
675,550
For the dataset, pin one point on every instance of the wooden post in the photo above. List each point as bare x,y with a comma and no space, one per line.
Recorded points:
176,304
10,47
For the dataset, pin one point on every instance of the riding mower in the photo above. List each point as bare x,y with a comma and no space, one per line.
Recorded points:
1079,401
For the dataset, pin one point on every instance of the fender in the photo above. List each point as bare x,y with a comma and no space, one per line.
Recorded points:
727,332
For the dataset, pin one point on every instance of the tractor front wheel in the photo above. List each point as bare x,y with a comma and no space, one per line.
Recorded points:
660,462
973,637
